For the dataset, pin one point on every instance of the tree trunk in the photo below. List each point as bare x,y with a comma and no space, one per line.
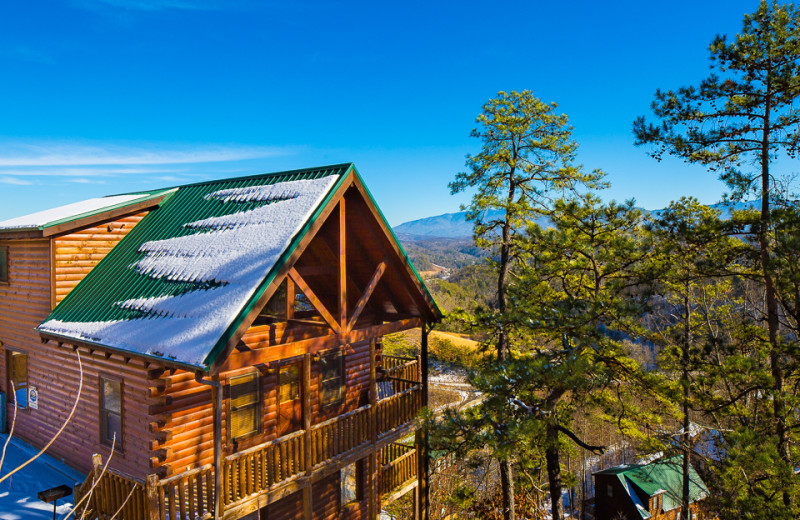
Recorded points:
778,403
507,484
685,384
554,472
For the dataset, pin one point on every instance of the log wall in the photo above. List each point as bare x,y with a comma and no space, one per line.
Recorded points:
327,503
42,271
76,253
185,421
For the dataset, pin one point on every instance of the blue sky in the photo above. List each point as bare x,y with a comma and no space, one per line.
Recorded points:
108,96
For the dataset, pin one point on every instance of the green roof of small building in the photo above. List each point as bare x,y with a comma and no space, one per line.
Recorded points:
180,284
661,476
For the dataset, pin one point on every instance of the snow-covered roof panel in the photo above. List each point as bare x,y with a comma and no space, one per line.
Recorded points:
185,273
74,211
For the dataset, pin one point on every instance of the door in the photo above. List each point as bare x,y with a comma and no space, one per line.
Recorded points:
290,402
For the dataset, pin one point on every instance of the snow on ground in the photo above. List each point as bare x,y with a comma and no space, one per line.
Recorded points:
236,251
18,499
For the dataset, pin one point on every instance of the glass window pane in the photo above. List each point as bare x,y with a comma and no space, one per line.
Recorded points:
349,484
19,369
289,381
112,396
113,427
243,390
3,264
22,397
243,421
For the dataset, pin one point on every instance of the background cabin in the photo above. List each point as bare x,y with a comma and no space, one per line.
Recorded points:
229,334
648,491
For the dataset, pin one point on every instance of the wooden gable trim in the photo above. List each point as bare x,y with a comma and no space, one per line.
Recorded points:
365,296
421,295
306,290
283,273
93,220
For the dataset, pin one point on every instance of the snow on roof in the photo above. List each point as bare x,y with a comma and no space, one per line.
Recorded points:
228,256
42,218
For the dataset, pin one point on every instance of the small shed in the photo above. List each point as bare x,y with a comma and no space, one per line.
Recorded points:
646,491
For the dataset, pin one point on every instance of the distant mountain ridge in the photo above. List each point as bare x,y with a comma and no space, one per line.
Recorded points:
456,225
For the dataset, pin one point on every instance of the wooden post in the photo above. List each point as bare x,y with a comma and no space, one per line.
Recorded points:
308,499
342,266
217,402
372,503
290,297
421,437
151,493
97,470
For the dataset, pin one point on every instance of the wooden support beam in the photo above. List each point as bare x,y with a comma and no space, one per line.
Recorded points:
308,499
423,495
306,290
290,297
365,296
342,265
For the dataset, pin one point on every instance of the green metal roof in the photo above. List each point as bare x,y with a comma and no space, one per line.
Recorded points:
113,295
666,475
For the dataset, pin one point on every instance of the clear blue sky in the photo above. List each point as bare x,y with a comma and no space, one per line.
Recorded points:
107,96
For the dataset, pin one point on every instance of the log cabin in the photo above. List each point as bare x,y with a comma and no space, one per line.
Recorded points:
214,350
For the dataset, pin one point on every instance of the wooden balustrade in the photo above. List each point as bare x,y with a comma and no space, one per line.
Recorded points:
252,471
111,494
190,495
339,435
399,409
399,468
401,368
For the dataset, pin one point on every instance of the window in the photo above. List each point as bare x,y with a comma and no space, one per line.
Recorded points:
18,375
289,383
243,405
332,379
3,264
350,478
609,490
111,412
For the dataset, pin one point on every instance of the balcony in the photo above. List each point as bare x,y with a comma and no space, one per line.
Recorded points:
265,473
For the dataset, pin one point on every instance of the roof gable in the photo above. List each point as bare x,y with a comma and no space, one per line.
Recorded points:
665,476
188,276
79,214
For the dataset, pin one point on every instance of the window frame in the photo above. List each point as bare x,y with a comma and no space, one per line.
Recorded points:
10,353
4,253
337,398
104,413
358,477
256,404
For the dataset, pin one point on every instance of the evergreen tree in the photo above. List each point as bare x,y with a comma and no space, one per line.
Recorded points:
578,295
746,113
693,255
526,159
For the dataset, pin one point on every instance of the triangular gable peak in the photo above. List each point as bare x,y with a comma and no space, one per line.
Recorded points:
349,274
191,278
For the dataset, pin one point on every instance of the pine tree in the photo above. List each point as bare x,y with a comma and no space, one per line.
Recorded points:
526,160
745,113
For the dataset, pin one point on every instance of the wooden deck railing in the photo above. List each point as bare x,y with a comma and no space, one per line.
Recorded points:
252,471
104,495
246,474
398,409
339,435
398,466
189,495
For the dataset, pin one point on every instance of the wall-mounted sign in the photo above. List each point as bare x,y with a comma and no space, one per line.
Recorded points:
33,397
